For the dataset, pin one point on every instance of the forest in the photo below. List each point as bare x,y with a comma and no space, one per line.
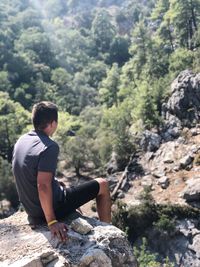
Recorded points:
108,65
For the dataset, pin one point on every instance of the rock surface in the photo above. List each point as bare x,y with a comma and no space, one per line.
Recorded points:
104,246
192,190
184,102
182,247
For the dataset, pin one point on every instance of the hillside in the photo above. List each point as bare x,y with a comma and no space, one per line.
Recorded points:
125,78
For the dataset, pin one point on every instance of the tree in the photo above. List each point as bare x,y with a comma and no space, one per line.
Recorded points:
110,86
102,31
36,45
13,120
55,8
183,16
7,186
165,29
5,84
141,44
119,50
64,94
114,126
180,60
144,113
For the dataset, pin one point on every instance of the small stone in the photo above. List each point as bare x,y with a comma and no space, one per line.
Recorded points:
81,226
185,161
164,182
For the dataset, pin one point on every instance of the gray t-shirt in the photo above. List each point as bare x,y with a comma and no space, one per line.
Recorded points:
34,152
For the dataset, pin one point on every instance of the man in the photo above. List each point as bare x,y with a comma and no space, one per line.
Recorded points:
34,166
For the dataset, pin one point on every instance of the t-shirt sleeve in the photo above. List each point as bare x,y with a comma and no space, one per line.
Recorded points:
48,159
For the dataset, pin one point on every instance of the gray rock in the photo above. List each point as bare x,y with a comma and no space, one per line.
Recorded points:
81,226
105,245
185,161
95,257
163,182
184,102
150,141
195,246
120,194
192,190
158,173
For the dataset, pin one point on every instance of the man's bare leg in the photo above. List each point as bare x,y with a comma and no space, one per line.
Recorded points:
103,201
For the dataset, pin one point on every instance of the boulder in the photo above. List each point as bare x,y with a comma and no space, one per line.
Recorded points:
163,182
104,245
192,190
150,141
182,247
185,161
184,102
81,226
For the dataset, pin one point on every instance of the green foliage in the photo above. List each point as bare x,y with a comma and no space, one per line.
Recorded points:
135,220
7,185
145,112
165,224
181,59
13,120
108,91
145,257
114,124
102,31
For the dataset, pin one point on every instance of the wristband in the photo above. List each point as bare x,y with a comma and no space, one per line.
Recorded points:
52,222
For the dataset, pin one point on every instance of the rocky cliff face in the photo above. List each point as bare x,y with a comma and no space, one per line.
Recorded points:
169,164
170,157
90,243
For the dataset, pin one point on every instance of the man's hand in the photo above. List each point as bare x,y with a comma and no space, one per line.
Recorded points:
59,230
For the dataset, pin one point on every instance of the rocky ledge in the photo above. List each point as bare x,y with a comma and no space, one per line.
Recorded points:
90,243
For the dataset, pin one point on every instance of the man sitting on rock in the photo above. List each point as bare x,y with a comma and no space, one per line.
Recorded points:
34,165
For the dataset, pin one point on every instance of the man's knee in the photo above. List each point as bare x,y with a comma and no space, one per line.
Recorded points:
103,186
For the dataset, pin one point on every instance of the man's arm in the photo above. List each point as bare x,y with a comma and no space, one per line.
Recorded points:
44,184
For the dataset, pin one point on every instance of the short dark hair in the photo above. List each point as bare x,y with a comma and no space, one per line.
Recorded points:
44,113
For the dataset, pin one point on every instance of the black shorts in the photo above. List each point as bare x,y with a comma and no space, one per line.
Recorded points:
76,196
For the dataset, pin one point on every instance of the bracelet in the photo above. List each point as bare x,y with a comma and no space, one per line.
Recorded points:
52,222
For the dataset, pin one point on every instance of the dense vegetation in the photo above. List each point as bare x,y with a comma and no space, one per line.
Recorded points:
149,221
106,64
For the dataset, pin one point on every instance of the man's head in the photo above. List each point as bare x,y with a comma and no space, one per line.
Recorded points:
45,117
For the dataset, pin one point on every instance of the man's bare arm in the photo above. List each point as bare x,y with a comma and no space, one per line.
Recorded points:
44,184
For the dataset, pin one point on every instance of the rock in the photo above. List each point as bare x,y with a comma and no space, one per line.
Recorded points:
184,102
185,161
125,185
158,173
192,190
147,181
120,194
195,246
81,226
21,246
195,131
150,141
163,182
95,257
169,157
180,140
112,165
182,248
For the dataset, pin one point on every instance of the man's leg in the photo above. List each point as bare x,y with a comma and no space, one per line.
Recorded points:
103,201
